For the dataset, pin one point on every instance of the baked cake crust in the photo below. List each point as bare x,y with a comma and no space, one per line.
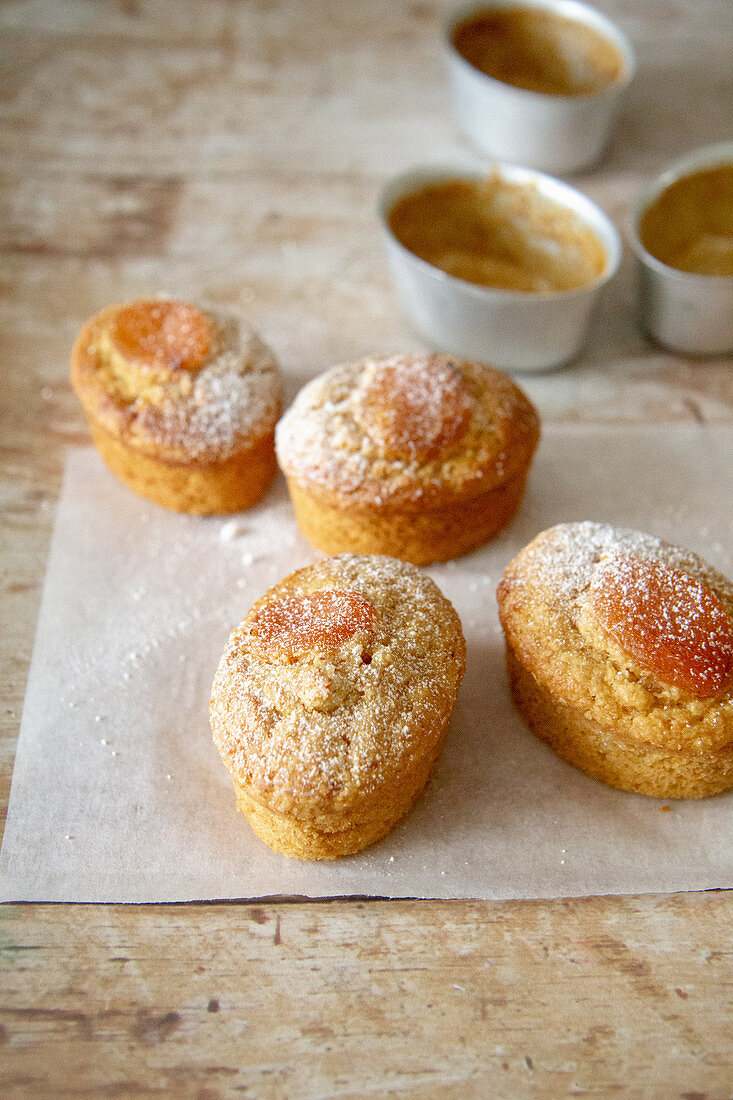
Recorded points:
580,691
422,457
332,700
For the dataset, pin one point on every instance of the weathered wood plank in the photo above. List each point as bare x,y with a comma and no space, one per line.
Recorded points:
591,996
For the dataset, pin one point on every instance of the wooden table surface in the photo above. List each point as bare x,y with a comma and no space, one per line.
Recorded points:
235,151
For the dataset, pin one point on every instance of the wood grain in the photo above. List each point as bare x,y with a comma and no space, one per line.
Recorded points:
235,151
370,998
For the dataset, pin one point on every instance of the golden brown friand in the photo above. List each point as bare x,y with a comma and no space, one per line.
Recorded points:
421,457
620,657
181,402
332,700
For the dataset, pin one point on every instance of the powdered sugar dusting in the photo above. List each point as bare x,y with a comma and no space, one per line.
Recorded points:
236,397
320,621
565,558
667,620
415,408
348,431
229,398
328,721
161,333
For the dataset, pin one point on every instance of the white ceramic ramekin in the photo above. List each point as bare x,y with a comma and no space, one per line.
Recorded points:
510,330
685,312
554,133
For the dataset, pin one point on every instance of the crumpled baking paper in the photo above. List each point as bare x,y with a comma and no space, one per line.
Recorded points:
118,792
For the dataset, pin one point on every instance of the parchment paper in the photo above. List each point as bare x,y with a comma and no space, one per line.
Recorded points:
119,795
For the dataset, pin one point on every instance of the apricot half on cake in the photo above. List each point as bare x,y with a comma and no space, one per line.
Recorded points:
181,402
620,657
332,700
422,457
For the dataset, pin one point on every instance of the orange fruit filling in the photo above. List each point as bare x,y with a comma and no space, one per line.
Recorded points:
416,409
156,333
670,623
321,621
